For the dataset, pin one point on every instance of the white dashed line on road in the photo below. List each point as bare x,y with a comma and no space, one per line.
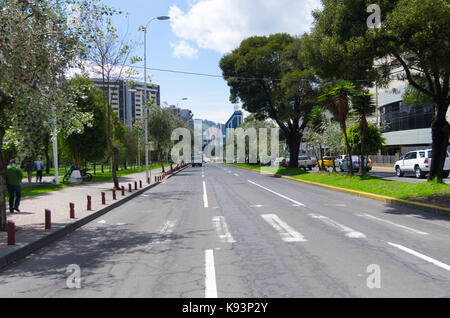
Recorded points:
394,224
235,174
221,227
278,194
348,231
210,275
421,256
287,233
205,195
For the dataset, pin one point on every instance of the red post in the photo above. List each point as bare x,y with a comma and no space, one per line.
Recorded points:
135,185
140,183
11,233
48,219
89,205
129,187
103,198
72,210
156,179
123,190
114,194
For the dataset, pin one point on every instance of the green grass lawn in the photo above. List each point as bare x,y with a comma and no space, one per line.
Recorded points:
370,184
106,176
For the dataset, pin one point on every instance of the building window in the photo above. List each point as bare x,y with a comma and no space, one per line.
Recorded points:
400,116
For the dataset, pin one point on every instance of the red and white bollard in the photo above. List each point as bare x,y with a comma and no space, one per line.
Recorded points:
114,194
48,219
135,185
129,187
103,198
11,233
89,203
123,190
140,183
72,210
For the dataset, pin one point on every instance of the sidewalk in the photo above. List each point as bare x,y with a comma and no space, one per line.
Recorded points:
32,215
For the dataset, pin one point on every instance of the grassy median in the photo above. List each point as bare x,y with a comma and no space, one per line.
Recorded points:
36,189
427,192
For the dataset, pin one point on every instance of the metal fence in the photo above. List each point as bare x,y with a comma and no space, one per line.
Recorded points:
383,159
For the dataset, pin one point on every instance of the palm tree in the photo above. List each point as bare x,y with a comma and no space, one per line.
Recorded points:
337,101
363,106
317,122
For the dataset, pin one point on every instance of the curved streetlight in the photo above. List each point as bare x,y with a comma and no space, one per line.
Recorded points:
144,100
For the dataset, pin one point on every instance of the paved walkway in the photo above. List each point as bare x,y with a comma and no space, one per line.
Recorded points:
32,209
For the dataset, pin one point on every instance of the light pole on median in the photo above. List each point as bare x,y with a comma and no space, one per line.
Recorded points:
144,100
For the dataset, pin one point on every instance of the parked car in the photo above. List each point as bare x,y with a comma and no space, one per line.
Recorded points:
344,164
305,162
314,161
278,161
418,162
327,161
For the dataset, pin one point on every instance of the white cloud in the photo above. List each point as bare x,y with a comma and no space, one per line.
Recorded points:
221,25
183,49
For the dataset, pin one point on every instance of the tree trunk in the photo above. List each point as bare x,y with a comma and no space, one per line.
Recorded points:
3,165
440,129
362,166
321,167
47,156
349,151
94,167
115,161
294,142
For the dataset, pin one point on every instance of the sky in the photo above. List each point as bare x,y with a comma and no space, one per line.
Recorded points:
198,35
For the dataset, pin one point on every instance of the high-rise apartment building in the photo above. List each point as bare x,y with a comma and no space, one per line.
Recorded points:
128,101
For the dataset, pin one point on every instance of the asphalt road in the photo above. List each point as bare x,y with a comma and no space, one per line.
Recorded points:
221,231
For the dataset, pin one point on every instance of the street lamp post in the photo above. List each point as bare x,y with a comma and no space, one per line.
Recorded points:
144,100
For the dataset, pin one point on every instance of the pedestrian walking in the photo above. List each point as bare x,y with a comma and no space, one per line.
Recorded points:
29,167
14,185
39,167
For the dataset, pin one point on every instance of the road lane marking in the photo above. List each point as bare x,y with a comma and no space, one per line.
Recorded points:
256,206
102,222
394,224
278,194
236,175
287,233
348,231
221,227
210,275
421,256
205,195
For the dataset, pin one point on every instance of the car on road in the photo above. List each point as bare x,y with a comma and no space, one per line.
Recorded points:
344,163
418,163
197,160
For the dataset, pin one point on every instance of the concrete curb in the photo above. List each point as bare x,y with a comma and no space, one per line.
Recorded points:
53,235
410,204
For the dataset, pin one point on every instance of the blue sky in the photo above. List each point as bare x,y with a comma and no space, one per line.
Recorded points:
199,33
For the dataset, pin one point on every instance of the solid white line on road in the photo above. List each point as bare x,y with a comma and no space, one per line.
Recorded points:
221,227
421,256
348,231
278,194
210,275
205,196
394,224
287,233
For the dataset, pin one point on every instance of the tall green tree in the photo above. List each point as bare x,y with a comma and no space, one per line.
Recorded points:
317,125
415,34
36,49
266,74
337,101
363,106
91,144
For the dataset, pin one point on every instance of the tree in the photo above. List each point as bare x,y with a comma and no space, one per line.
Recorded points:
337,101
317,124
91,144
109,53
363,106
415,34
130,147
332,136
372,140
161,123
36,48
